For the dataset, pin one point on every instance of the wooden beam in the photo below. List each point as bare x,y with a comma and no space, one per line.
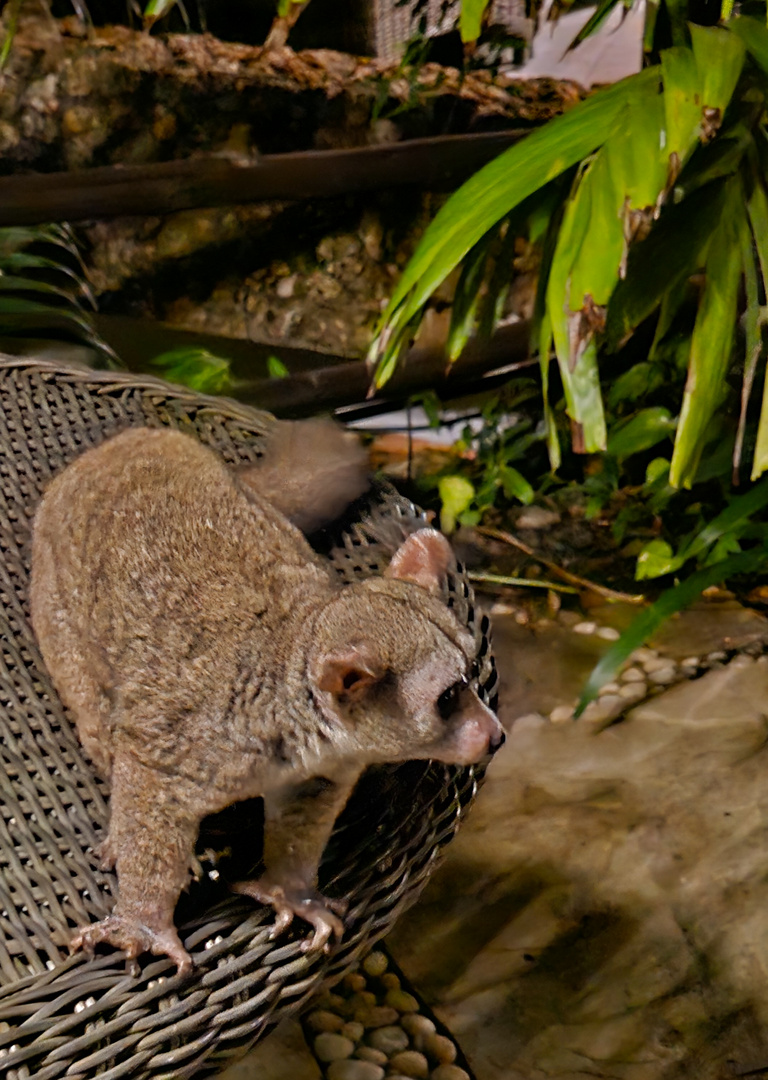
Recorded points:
439,163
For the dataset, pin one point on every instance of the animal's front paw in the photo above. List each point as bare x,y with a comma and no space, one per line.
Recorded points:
134,938
320,912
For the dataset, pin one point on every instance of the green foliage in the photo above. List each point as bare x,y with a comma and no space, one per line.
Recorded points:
670,183
485,199
711,543
276,368
648,203
471,18
12,22
456,495
196,368
43,289
487,475
158,9
670,602
641,431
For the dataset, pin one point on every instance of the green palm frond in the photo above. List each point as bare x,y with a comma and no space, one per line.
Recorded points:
667,179
44,294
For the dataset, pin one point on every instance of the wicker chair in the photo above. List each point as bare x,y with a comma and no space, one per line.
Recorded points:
82,1017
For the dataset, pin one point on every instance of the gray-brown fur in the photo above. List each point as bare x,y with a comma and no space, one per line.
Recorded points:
208,656
311,471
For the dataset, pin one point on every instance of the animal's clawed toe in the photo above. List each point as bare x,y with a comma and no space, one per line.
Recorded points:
320,912
325,923
134,938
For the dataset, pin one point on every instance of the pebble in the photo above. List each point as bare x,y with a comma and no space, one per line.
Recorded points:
417,1025
561,713
448,1072
355,982
333,1002
608,633
377,1016
355,1069
322,1020
410,1063
285,287
329,1046
642,654
632,674
439,1047
389,1039
741,661
368,1053
353,1030
363,999
656,663
390,981
664,676
402,1001
536,517
633,691
606,708
585,628
717,657
609,688
375,963
690,662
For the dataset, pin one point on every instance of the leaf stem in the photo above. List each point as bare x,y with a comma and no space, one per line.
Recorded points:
565,575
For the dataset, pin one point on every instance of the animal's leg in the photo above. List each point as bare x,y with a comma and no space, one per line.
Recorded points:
298,821
152,832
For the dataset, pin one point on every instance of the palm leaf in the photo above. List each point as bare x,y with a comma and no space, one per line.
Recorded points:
754,35
43,289
758,218
467,297
626,174
682,103
719,57
712,338
672,251
471,19
595,21
753,342
489,195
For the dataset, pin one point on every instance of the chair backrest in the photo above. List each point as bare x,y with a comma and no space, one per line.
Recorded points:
71,1015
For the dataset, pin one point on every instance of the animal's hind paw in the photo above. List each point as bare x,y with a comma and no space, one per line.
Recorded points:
134,938
320,912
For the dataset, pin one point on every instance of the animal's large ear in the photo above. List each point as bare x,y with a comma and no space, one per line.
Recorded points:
424,558
348,672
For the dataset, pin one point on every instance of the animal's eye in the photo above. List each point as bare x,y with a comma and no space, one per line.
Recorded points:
449,699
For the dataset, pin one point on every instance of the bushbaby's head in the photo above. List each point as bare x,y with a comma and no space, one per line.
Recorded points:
390,665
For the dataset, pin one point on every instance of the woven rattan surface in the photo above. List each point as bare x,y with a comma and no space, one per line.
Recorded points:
71,1016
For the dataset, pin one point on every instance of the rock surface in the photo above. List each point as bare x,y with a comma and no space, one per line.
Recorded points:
604,911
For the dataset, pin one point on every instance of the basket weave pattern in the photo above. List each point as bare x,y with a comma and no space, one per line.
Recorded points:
75,1017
